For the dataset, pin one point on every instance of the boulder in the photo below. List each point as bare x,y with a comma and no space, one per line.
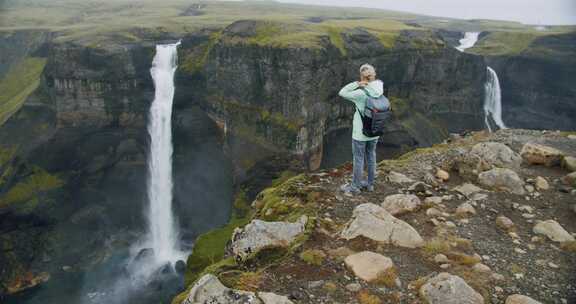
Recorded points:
570,179
374,222
368,265
520,299
541,183
502,178
442,175
569,163
449,289
467,189
553,231
537,154
400,203
398,178
272,298
497,155
208,289
259,234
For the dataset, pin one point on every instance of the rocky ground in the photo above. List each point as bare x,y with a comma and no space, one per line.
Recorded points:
483,218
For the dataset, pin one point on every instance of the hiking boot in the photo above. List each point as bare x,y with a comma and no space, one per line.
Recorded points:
366,186
349,189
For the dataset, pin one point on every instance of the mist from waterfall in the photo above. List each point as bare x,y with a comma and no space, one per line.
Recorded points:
163,235
493,101
469,40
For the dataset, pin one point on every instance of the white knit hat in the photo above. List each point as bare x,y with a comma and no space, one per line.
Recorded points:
367,70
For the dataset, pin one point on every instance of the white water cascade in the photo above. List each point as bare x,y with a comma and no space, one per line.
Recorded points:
469,40
493,101
163,236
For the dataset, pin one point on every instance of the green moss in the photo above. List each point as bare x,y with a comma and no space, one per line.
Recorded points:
27,192
18,84
209,247
504,43
313,257
284,176
268,129
194,60
335,35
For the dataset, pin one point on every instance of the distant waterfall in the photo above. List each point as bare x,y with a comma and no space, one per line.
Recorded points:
493,101
163,232
469,40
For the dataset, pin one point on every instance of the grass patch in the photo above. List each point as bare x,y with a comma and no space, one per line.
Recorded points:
569,246
249,281
365,297
313,257
26,194
335,35
436,246
504,43
388,277
18,84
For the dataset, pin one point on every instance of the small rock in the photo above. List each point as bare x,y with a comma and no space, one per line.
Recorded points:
450,224
529,188
497,277
537,154
433,200
498,289
569,163
445,266
442,175
398,178
353,287
418,187
502,178
520,299
542,184
433,212
553,231
446,288
440,258
479,267
465,209
368,265
400,203
504,223
552,265
520,251
570,179
467,189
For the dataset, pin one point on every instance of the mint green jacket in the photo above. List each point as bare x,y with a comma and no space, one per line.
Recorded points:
359,96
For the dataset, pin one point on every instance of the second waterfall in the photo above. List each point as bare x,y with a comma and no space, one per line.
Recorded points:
163,235
493,101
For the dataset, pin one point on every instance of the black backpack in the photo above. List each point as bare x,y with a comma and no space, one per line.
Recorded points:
376,114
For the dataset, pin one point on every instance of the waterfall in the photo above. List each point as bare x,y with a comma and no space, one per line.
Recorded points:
163,234
493,101
469,40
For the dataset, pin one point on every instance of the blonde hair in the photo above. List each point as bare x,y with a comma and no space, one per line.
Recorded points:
367,71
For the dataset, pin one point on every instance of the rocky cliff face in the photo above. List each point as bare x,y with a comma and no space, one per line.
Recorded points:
537,90
285,98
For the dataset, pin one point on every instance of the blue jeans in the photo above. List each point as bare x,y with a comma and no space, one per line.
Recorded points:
363,150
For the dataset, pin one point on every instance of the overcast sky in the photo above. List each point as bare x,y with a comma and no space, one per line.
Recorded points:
525,11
